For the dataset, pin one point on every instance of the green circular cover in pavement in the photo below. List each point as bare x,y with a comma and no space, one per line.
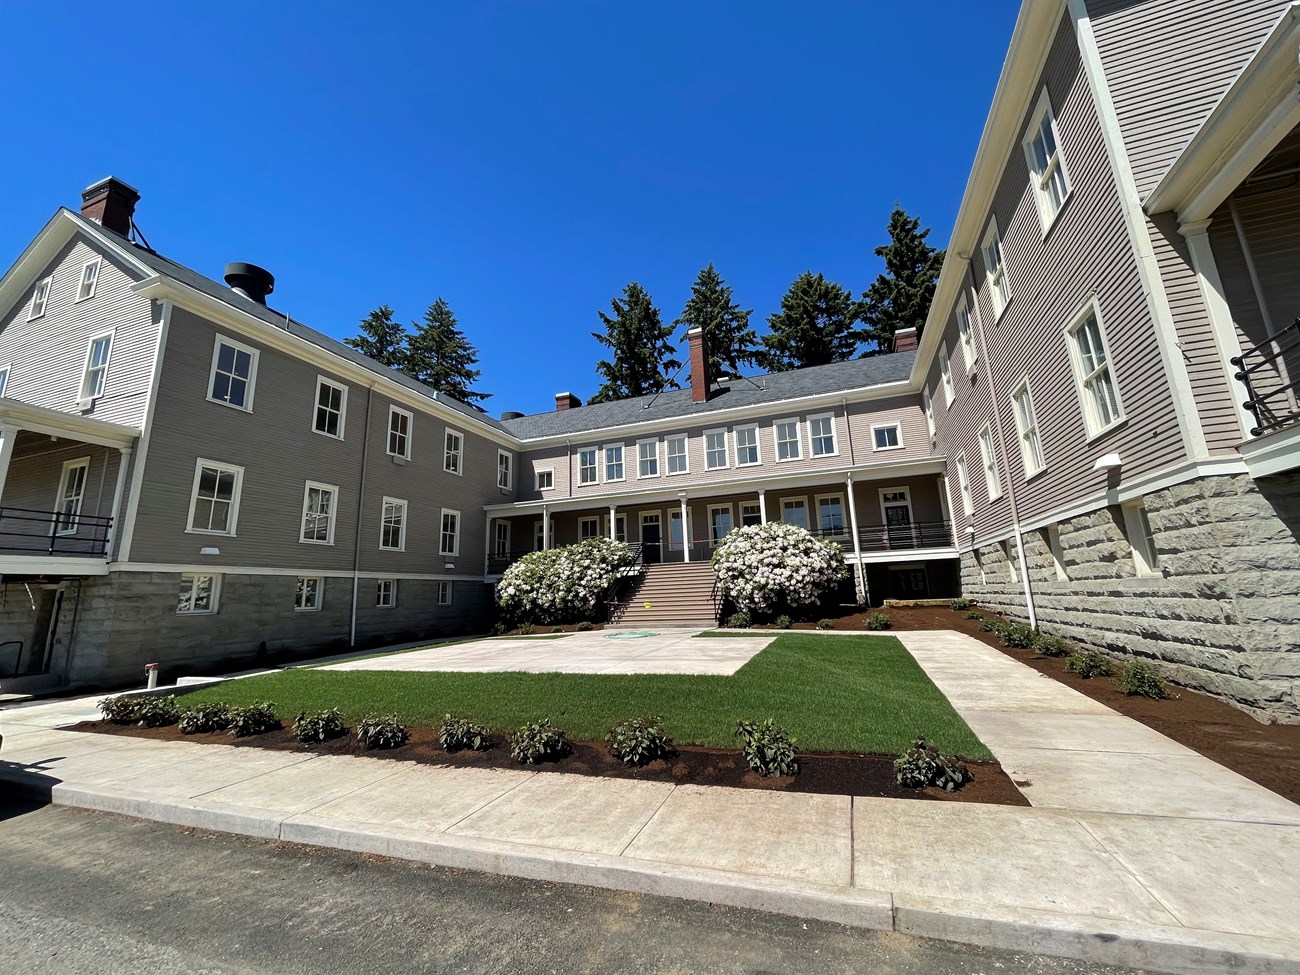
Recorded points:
630,635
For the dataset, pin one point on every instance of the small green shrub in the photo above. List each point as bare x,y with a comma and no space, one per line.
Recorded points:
924,765
538,742
960,604
584,627
1088,664
256,719
974,616
825,624
879,621
638,741
121,709
783,622
1018,636
526,629
456,733
768,750
1052,646
497,629
1140,679
739,621
559,629
312,726
381,731
147,712
989,626
205,719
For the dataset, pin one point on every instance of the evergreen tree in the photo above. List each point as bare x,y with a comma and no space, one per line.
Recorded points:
439,355
728,339
381,338
901,296
642,360
814,327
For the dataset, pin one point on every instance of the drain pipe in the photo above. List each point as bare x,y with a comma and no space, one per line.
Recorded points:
361,503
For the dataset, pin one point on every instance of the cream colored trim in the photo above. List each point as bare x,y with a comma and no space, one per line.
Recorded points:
260,570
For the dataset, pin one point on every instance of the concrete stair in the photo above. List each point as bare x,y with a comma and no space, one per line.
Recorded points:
678,594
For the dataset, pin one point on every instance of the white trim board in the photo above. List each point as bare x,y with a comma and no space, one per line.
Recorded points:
259,570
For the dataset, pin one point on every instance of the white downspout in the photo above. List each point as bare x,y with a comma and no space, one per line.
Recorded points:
857,542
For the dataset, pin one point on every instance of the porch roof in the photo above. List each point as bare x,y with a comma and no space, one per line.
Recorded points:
15,414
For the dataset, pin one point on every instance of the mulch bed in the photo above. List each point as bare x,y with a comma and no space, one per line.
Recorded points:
825,773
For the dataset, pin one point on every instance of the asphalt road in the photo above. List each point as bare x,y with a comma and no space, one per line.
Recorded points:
84,892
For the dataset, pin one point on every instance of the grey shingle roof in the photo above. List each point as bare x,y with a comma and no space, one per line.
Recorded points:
730,394
207,286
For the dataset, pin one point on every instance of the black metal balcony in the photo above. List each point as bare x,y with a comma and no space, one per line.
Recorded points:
28,531
1266,371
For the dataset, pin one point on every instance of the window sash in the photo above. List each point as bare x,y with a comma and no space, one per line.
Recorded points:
453,445
399,433
545,480
821,435
449,535
392,529
232,375
40,298
886,438
675,448
614,463
196,595
1031,449
830,515
386,593
318,514
89,277
444,593
787,440
1096,378
307,595
648,458
329,409
715,449
215,491
963,484
92,382
587,466
504,479
72,493
992,482
945,375
794,511
746,446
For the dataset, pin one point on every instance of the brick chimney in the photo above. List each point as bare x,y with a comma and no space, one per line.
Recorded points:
905,340
699,366
111,204
566,401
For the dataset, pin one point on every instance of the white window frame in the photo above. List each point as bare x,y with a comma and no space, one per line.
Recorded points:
445,592
405,453
895,426
642,459
500,540
82,293
232,520
594,466
590,521
40,298
844,528
1058,553
213,596
731,517
1092,421
756,445
966,333
505,471
458,467
4,379
537,478
300,605
669,455
58,526
333,515
442,544
1027,433
102,369
401,528
945,376
317,407
751,508
1039,179
1141,540
386,587
927,404
963,485
798,439
253,355
989,457
995,269
813,438
796,501
605,462
724,449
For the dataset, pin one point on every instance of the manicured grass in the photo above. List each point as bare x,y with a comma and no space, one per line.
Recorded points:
833,693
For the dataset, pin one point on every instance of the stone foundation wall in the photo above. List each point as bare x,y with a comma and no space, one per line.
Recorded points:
1223,615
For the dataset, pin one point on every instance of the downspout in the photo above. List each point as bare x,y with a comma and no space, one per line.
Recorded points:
1006,456
361,504
863,595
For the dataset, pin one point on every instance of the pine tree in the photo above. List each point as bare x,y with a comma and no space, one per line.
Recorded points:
642,360
728,339
901,296
439,355
381,338
814,327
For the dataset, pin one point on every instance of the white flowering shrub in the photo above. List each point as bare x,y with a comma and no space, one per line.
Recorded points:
763,569
561,585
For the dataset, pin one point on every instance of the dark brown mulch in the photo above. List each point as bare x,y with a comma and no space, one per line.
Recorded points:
825,773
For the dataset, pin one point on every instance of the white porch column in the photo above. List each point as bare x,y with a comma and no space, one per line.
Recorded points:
487,545
8,435
546,528
857,541
118,490
613,513
762,506
686,533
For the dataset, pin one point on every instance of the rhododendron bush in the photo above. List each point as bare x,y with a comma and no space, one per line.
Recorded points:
562,585
766,568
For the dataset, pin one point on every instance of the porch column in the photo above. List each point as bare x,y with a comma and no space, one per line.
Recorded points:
487,545
613,534
8,435
118,490
546,528
762,506
861,586
686,533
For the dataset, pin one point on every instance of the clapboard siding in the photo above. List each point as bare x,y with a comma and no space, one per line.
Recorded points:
279,452
1167,64
46,357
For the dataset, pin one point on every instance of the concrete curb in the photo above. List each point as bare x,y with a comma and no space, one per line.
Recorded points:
1117,942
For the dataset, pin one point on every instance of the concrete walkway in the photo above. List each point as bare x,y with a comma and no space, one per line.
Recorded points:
1137,852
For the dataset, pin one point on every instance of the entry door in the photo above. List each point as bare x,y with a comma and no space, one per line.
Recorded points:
896,508
650,536
72,489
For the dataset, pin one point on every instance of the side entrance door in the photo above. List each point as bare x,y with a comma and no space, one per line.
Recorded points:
651,539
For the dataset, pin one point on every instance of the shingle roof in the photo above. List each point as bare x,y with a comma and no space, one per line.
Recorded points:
730,394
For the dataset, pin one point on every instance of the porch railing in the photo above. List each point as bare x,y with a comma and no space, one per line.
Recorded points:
31,531
1266,372
498,562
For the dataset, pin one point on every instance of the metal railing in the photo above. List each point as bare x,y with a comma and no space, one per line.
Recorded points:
498,562
28,531
910,536
1265,371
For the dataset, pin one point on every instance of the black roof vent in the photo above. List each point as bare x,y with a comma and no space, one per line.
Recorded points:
511,415
250,280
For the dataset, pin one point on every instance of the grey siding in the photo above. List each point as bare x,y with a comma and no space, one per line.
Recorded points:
1167,64
34,479
46,357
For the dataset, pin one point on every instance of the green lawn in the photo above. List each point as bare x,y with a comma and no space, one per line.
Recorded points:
845,693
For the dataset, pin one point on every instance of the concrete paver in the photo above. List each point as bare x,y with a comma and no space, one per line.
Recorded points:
304,785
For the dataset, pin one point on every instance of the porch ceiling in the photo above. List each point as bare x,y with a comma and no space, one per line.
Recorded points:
71,426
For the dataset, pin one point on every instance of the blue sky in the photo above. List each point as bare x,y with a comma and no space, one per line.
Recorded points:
524,160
